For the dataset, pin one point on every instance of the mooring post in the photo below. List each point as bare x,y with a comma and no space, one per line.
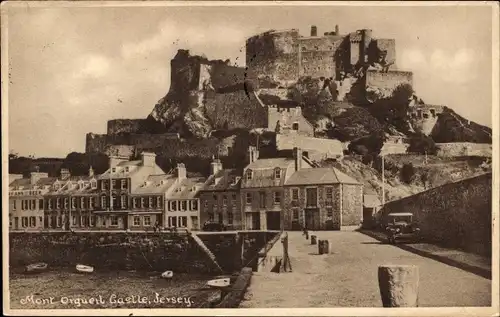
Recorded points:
398,285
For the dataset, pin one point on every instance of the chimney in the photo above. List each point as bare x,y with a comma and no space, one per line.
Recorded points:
337,29
91,172
35,177
215,167
181,171
65,174
148,159
253,154
115,160
297,156
314,30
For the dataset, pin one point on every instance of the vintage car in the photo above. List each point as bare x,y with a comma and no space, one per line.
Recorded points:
400,227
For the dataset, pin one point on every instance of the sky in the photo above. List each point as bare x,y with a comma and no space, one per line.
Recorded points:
73,68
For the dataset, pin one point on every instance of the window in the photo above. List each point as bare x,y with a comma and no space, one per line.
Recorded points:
249,198
58,203
32,222
66,203
134,202
277,173
295,126
150,202
137,221
277,197
113,170
230,218
295,194
233,197
123,184
205,204
311,197
127,169
174,205
103,202
114,220
184,205
183,222
14,203
142,202
82,202
73,202
24,222
262,200
329,212
103,185
147,221
295,214
172,221
224,200
94,184
59,222
194,205
91,203
249,174
92,220
329,194
33,204
221,217
73,220
123,201
40,204
113,184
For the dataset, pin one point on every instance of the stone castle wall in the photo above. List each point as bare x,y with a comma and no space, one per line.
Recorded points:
118,126
456,214
386,82
464,149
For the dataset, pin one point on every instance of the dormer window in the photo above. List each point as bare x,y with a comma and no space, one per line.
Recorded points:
94,184
113,170
277,173
127,169
249,174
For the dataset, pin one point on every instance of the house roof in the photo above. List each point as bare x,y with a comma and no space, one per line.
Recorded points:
155,184
187,188
121,170
270,163
226,179
371,201
26,182
322,175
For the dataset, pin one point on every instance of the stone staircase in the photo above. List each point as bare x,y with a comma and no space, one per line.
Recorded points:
207,251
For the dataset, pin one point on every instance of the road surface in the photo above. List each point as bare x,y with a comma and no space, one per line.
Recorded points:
348,277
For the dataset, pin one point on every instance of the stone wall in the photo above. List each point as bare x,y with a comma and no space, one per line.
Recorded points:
385,82
287,117
456,214
464,149
352,204
388,45
316,148
118,126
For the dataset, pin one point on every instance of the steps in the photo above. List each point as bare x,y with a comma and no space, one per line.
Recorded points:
207,251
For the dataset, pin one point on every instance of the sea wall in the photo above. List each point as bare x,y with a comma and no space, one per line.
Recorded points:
131,251
456,214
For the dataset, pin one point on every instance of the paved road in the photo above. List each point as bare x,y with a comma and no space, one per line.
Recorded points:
348,277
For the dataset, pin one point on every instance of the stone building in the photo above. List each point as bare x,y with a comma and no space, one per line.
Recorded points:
115,185
26,207
70,202
321,199
289,120
182,208
219,198
262,194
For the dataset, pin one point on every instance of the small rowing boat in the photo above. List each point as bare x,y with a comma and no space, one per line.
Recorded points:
84,268
36,267
167,274
220,282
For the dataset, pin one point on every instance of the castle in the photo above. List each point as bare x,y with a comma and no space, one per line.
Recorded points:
209,95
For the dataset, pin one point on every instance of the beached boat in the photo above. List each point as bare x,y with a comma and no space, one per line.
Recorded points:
84,268
220,282
36,267
167,274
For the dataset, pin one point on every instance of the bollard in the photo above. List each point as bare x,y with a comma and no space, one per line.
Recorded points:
398,285
320,247
313,239
324,247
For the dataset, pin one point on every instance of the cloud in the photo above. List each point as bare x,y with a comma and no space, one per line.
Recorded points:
92,66
454,67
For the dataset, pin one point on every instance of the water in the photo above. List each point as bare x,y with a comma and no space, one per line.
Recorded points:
63,289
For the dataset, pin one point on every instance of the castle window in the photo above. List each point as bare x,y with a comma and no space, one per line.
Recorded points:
295,126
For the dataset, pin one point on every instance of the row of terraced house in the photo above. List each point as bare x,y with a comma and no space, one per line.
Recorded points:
283,193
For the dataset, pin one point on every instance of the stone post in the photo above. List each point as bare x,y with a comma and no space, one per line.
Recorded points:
324,247
398,285
313,239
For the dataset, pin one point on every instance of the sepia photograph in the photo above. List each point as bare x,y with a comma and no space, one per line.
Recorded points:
291,158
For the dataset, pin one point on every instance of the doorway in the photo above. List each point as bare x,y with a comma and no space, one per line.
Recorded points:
255,220
273,219
312,219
